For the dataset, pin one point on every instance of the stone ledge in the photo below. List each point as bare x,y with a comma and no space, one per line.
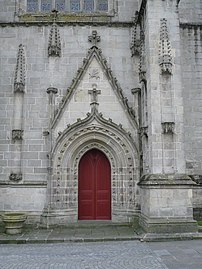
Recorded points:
67,23
166,180
190,25
23,184
153,237
197,179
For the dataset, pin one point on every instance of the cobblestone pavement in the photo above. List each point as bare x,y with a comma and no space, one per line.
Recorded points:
179,254
103,255
110,255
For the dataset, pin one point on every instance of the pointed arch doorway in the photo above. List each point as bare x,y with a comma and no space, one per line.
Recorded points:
94,192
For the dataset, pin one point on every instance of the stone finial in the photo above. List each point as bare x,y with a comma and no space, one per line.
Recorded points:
168,127
142,70
54,45
17,135
19,81
94,38
136,42
165,57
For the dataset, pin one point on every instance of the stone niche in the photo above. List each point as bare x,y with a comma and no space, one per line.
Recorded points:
166,204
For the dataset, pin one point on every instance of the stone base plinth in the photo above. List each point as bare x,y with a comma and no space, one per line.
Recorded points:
167,226
166,204
58,217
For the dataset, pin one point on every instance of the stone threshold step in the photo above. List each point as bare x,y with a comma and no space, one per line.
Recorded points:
90,224
66,240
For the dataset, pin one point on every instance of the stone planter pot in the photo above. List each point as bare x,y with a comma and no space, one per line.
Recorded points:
13,222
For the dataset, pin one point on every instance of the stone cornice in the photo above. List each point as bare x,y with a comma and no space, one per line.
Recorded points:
127,24
190,25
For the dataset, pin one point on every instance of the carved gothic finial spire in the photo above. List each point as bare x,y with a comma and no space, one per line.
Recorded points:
142,73
136,42
94,39
19,81
54,46
165,57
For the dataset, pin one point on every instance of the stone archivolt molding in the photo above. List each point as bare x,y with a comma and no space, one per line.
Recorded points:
92,124
104,123
75,141
97,53
19,80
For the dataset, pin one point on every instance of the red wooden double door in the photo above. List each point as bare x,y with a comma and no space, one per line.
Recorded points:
94,200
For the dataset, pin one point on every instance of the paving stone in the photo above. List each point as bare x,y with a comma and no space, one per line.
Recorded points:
122,255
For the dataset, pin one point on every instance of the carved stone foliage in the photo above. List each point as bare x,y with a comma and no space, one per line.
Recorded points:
94,39
15,177
165,57
19,81
96,116
168,127
136,42
94,74
97,53
144,131
54,45
17,135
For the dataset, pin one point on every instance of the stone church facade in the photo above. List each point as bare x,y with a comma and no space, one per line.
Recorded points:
101,111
